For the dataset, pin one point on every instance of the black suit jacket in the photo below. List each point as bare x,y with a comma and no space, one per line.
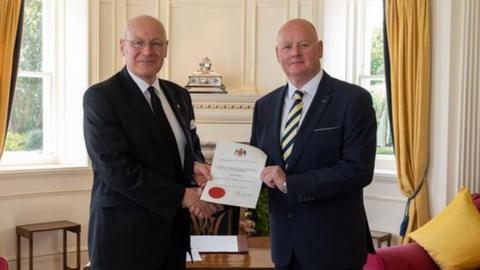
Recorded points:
322,218
138,180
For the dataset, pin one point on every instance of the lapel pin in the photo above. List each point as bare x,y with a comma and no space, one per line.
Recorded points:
178,107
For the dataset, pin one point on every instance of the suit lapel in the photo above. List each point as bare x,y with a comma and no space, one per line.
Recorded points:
277,105
179,108
137,100
314,114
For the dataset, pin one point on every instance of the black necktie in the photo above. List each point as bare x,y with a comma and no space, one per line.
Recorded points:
156,104
164,125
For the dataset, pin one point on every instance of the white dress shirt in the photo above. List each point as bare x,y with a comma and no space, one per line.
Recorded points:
309,90
172,119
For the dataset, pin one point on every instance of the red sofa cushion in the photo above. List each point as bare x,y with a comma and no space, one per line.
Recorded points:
476,200
410,256
3,264
374,262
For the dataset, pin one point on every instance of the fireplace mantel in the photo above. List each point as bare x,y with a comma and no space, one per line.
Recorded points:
223,116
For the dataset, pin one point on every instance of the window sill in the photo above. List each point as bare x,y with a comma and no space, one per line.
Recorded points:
385,175
53,169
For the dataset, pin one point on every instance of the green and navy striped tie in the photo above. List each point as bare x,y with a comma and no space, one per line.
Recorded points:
291,126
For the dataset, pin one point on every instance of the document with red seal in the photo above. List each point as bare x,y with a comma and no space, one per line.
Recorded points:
236,169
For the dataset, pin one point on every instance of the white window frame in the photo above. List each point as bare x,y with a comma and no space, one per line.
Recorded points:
65,78
343,54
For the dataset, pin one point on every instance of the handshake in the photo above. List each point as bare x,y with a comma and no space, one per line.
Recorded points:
191,198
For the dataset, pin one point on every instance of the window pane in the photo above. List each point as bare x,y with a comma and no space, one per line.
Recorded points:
384,138
377,64
25,131
31,52
373,77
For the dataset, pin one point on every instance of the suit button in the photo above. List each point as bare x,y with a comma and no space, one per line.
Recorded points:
289,216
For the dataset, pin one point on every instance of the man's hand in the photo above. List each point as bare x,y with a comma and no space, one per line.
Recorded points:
201,209
274,177
201,173
191,196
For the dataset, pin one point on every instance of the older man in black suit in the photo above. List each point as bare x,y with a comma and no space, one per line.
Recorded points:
141,137
320,137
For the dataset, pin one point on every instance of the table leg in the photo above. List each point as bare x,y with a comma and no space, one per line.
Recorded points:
64,249
19,252
78,250
30,263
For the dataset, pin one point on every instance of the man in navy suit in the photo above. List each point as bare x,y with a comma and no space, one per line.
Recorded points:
141,137
320,137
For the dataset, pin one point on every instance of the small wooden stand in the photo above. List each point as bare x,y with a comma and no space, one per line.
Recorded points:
381,237
28,230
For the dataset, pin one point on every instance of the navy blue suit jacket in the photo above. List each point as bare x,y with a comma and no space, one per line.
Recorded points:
138,180
322,218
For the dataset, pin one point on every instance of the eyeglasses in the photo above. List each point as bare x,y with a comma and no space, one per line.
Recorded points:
140,44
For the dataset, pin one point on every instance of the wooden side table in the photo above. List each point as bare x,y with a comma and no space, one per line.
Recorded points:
28,230
381,237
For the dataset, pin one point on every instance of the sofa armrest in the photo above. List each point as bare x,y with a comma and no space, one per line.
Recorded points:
476,200
374,262
410,256
3,264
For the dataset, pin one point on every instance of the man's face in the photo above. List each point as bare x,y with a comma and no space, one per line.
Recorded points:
299,52
144,48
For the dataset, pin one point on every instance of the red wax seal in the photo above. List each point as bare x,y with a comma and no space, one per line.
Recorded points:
216,192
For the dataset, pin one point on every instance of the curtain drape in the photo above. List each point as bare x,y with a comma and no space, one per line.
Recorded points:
11,13
408,34
388,84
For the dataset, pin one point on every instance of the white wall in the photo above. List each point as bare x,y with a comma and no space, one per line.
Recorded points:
31,196
455,118
239,36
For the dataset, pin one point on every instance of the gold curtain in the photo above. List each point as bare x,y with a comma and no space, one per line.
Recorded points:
408,33
10,11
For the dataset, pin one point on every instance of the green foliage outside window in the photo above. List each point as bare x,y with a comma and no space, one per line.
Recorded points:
31,51
26,123
377,65
27,111
31,140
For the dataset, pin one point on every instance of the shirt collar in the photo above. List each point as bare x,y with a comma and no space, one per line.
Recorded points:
310,88
142,84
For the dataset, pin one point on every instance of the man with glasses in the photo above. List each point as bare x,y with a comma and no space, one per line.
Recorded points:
141,137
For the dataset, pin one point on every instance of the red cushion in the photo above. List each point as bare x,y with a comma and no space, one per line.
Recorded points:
476,200
410,256
374,262
3,264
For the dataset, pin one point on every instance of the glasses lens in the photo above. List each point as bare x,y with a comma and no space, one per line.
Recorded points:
138,44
